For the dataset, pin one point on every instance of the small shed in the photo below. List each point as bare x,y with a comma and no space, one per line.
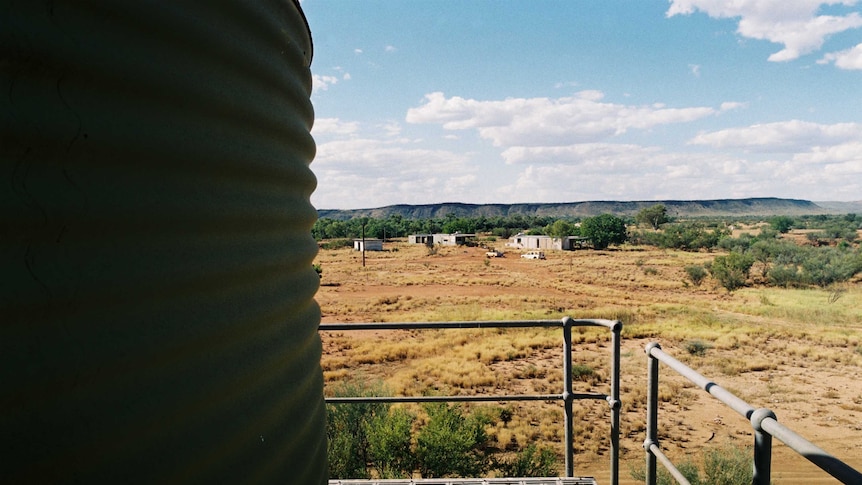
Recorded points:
531,241
368,244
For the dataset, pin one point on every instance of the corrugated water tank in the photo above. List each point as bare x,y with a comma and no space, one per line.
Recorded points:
158,320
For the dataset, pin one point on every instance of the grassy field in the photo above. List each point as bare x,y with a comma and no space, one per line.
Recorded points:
795,351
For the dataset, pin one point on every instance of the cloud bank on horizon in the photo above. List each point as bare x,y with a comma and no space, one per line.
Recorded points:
510,102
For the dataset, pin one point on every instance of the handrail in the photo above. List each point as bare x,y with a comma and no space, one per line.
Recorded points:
763,421
568,396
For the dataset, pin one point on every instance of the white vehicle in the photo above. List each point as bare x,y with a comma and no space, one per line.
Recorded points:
533,255
494,254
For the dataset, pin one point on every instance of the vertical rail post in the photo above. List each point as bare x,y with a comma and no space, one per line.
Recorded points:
615,403
568,397
652,413
762,447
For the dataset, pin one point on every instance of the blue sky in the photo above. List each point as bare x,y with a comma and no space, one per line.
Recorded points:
504,101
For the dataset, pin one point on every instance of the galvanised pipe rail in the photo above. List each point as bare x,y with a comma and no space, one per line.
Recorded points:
568,396
763,421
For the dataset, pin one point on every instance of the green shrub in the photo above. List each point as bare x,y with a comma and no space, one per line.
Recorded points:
722,465
784,275
731,270
696,274
581,372
831,265
530,462
697,347
728,465
687,237
688,468
346,431
389,438
451,444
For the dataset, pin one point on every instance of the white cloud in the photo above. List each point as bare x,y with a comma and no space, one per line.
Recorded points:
731,105
782,137
390,48
363,172
333,126
591,155
630,172
792,23
845,154
357,51
850,59
391,129
695,69
567,84
638,173
582,118
322,83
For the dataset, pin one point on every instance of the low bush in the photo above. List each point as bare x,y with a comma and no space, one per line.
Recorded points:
728,465
722,465
731,270
696,274
697,347
530,462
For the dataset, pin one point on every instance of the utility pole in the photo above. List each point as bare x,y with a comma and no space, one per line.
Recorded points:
363,243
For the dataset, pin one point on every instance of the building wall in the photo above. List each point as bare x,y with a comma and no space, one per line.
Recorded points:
370,245
523,241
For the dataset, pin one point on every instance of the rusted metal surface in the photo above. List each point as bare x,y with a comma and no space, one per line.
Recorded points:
158,321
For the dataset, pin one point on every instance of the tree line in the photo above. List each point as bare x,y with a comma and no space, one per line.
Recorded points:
831,255
398,226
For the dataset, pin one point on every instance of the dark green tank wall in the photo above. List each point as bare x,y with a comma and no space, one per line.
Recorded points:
157,320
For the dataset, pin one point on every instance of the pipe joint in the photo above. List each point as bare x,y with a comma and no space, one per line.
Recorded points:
758,416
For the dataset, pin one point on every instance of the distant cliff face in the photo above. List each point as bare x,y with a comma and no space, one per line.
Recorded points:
676,208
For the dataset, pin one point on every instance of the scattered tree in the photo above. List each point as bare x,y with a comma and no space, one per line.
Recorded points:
604,230
655,216
782,224
561,228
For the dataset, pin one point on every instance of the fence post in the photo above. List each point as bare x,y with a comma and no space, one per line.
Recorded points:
652,413
762,447
568,397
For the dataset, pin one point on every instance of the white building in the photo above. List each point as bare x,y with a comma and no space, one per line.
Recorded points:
370,245
456,239
538,241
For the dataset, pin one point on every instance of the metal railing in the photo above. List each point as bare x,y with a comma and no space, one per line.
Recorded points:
763,421
568,396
